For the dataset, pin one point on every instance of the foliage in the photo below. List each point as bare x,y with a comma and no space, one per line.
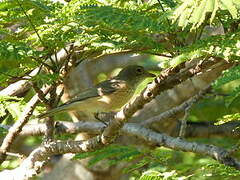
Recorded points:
31,31
160,163
195,12
11,104
230,76
228,118
117,152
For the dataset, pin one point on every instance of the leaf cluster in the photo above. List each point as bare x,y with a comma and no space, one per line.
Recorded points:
195,12
33,30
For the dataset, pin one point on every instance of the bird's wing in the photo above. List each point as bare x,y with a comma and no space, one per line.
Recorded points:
89,93
104,88
101,89
110,86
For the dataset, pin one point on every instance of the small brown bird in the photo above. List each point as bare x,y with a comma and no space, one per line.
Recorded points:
109,95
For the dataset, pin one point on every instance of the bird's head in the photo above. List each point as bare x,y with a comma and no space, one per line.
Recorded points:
134,74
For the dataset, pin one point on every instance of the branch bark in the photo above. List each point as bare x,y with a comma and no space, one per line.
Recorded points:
178,109
32,165
166,80
19,86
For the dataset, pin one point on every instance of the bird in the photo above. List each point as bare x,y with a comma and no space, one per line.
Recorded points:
107,96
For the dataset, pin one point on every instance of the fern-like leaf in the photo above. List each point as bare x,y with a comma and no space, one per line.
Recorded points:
228,76
194,12
229,5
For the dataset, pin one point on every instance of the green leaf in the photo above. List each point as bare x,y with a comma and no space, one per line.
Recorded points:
84,155
3,132
128,156
117,153
214,11
195,11
228,118
114,151
234,97
228,75
198,14
13,105
230,7
136,166
156,175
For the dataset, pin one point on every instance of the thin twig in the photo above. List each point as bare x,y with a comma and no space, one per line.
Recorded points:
56,59
14,77
187,109
184,122
169,24
18,125
41,94
43,63
31,23
48,137
58,98
21,156
35,30
167,114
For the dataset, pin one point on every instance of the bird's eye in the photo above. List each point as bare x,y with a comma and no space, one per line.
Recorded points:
139,70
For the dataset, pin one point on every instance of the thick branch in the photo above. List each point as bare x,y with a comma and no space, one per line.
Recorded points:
194,129
23,85
19,86
215,152
35,160
166,80
33,163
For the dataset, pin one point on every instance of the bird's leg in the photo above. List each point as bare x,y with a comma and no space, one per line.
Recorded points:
104,117
100,116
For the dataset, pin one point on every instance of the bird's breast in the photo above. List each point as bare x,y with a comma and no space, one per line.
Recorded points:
116,100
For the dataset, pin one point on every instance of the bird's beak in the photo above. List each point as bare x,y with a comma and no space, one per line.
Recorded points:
148,74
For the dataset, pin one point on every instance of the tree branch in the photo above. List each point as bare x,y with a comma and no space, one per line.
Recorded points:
170,113
217,153
33,163
23,85
19,86
194,129
166,80
17,127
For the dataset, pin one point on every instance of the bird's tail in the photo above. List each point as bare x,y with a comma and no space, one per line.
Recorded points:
52,111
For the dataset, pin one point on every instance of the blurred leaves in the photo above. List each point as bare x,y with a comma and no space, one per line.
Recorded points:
11,104
103,27
228,118
195,12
